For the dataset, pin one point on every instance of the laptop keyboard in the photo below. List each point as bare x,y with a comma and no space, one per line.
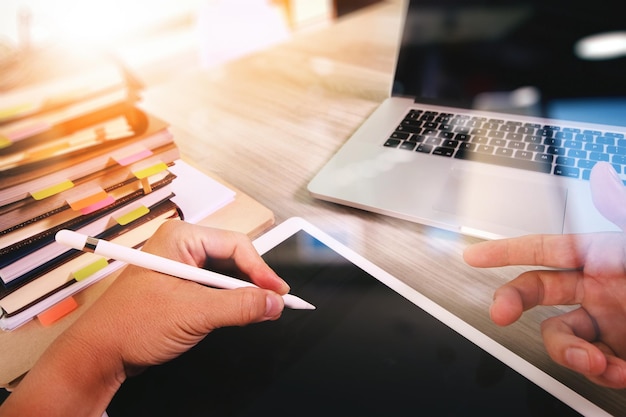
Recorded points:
558,150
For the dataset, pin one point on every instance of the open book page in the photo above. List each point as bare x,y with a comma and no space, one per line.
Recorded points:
197,194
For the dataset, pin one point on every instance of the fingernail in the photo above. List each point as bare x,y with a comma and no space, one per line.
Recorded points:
491,309
578,359
273,305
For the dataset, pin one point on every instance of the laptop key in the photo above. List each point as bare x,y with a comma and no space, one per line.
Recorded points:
599,156
544,158
619,159
468,146
392,143
504,152
443,151
565,161
409,129
423,148
407,145
417,138
516,145
431,140
565,171
400,135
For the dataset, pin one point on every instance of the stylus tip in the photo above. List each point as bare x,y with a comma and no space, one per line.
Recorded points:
296,303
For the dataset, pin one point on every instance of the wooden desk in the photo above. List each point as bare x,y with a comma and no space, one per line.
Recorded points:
268,122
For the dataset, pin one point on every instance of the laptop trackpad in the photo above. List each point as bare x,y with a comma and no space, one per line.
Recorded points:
514,203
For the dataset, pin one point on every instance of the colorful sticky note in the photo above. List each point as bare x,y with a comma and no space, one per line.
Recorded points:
52,190
57,311
17,110
5,142
23,132
136,154
90,269
132,215
87,199
97,206
151,170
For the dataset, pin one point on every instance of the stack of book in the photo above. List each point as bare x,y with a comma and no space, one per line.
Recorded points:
80,154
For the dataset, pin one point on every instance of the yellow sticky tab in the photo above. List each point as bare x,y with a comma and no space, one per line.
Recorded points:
55,189
57,311
5,142
133,215
151,170
90,269
17,110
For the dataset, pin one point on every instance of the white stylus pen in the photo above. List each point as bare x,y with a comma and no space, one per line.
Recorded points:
167,266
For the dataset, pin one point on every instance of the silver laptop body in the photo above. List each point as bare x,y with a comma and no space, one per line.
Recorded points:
528,80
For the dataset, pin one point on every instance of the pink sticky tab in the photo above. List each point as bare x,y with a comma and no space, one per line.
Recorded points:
57,311
26,131
97,206
130,159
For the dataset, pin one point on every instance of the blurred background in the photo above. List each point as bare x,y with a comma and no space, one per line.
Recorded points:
152,37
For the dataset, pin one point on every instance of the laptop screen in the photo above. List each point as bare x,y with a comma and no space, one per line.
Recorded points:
563,59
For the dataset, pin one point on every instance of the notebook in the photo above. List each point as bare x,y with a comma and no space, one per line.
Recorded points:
497,113
373,347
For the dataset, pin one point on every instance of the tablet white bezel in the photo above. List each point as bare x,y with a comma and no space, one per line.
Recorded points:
292,225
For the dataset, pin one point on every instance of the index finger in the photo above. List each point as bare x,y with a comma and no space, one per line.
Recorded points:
558,251
196,245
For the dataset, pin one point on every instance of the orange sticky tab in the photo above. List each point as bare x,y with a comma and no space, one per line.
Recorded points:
57,311
87,200
47,151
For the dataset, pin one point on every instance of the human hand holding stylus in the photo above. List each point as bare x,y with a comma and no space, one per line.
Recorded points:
164,265
146,318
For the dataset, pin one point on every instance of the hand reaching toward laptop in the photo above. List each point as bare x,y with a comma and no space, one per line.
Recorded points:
588,270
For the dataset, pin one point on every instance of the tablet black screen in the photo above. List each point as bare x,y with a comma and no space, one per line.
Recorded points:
365,351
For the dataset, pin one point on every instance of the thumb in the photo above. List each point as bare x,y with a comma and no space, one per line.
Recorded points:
242,306
608,193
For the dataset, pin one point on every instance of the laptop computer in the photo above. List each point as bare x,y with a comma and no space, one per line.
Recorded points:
498,111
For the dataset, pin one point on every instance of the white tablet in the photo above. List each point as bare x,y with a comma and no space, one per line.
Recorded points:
373,347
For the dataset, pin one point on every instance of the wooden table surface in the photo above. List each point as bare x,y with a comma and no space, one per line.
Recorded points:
269,121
